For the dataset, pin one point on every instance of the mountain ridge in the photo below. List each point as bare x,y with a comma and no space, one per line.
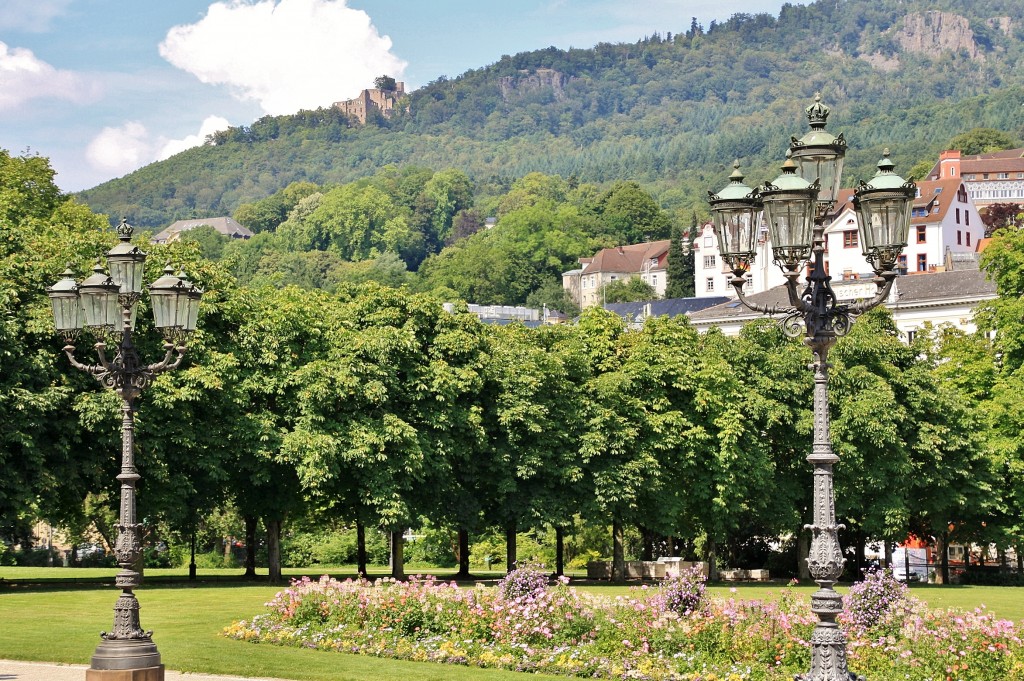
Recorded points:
670,111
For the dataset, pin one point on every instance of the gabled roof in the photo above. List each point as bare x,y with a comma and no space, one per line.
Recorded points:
934,193
224,225
627,258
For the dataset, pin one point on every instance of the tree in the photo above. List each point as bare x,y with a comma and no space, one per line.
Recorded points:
385,82
680,263
632,215
1000,215
982,141
627,291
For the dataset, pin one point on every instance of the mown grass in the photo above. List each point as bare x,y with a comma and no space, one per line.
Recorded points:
47,618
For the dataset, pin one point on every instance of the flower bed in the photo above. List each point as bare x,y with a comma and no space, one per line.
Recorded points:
673,632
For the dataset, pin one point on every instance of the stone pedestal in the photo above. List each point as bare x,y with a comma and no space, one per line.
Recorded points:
147,674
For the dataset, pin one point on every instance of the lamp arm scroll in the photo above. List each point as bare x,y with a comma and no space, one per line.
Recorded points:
884,282
739,282
94,370
172,359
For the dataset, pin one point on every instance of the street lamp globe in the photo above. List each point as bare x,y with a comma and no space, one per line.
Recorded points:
99,301
883,206
789,209
175,304
736,215
819,154
126,262
67,307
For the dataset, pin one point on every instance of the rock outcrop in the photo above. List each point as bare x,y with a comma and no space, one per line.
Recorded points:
933,33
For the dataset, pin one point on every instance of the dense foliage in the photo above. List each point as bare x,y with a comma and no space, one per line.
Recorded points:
378,407
670,111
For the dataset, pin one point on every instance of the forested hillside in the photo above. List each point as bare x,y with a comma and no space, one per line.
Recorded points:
670,111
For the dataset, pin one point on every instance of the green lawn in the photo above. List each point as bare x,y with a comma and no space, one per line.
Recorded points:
60,622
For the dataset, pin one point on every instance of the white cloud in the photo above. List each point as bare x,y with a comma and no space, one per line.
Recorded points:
209,126
24,77
285,54
120,150
30,15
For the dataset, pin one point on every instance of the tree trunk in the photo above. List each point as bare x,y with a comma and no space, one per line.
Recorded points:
803,551
860,556
1003,565
941,548
887,548
981,554
618,552
397,555
228,542
647,551
463,556
1019,550
510,547
192,554
711,551
559,552
360,548
250,547
273,549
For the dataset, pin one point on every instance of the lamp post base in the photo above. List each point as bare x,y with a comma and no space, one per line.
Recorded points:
147,674
134,659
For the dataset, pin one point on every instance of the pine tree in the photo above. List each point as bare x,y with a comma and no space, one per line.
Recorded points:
680,263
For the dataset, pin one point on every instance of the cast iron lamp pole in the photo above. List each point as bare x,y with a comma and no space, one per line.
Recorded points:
105,306
795,206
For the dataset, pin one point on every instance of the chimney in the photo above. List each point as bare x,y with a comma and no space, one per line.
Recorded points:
949,164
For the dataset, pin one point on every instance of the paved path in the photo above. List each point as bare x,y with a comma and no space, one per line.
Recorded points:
42,671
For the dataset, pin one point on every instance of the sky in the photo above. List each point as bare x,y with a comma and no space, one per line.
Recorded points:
103,87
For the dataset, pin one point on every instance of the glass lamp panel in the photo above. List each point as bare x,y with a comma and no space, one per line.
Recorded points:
127,273
824,165
67,308
192,318
790,225
99,296
67,313
165,309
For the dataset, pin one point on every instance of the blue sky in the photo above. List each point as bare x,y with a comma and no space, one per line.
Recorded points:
103,87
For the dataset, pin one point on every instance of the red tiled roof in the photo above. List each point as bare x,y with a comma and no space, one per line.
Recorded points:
629,258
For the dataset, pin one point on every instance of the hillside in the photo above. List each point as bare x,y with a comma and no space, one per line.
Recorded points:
670,111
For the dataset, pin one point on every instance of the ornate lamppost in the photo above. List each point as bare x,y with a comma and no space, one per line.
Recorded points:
105,305
795,206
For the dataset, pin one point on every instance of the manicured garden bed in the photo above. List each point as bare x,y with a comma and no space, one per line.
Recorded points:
672,632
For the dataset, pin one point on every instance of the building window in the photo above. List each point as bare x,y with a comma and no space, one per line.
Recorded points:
984,176
1004,176
709,261
922,262
902,264
958,216
654,281
850,238
922,233
967,218
959,238
968,238
911,335
709,285
709,241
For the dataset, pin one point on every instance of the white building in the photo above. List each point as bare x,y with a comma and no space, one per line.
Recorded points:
649,261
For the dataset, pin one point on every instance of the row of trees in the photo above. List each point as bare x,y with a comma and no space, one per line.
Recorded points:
374,406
